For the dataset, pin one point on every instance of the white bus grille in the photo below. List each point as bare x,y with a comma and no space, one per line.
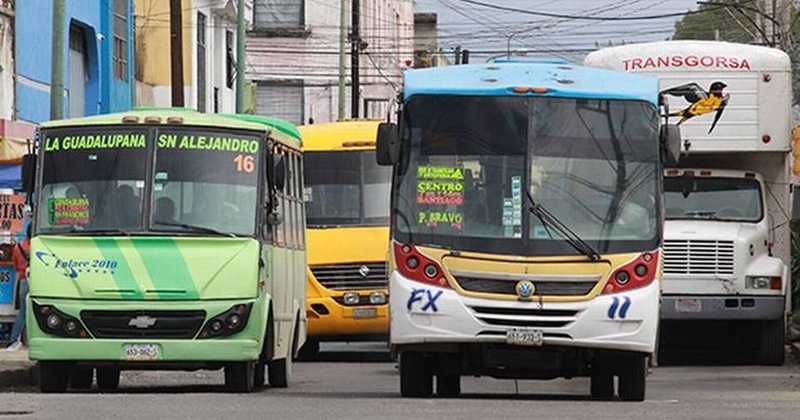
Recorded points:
698,257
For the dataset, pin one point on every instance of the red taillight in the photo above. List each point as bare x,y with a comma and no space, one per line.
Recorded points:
637,273
415,266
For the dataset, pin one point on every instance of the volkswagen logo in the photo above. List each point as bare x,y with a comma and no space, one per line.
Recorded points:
142,322
364,271
525,289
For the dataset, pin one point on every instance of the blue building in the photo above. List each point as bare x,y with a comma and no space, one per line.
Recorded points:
98,57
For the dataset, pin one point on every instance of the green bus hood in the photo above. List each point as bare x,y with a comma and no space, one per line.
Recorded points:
144,268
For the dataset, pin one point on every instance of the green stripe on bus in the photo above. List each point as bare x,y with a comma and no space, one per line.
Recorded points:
167,268
123,275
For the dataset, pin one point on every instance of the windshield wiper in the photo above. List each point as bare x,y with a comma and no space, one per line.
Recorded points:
569,235
83,232
195,228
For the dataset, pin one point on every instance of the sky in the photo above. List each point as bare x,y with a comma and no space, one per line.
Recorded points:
490,33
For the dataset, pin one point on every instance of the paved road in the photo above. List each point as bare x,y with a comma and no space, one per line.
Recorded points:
344,385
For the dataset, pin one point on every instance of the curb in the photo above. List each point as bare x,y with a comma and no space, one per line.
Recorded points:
18,376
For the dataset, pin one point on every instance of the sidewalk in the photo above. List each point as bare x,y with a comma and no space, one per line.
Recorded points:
15,369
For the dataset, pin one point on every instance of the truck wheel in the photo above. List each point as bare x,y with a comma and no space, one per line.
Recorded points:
239,377
632,377
448,385
602,380
416,378
280,372
107,379
259,374
310,350
81,377
53,377
771,351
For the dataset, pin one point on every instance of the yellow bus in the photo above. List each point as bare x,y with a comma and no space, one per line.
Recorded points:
347,215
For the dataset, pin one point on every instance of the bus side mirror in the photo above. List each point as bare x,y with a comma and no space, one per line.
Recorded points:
388,144
278,177
670,144
28,172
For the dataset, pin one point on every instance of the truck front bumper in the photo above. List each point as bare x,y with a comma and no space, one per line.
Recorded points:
721,307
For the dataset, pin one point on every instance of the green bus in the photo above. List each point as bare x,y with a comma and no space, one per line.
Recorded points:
166,239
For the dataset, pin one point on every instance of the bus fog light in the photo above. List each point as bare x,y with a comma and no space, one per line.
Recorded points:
759,282
71,326
377,298
640,270
622,278
431,271
216,326
53,321
412,263
351,298
233,321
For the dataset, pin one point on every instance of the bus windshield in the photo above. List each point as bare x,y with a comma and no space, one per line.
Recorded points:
476,165
206,180
346,188
730,199
92,181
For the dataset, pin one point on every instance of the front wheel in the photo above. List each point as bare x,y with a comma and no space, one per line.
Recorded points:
280,372
602,380
771,351
239,377
53,377
632,377
81,377
448,385
310,350
107,379
416,378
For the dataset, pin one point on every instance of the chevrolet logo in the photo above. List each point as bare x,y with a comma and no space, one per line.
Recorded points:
142,322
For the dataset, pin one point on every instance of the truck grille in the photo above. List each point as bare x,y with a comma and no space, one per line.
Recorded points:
357,276
518,317
508,287
143,323
698,257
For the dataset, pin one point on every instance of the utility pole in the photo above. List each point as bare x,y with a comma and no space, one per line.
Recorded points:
783,14
342,60
57,63
176,52
240,60
354,57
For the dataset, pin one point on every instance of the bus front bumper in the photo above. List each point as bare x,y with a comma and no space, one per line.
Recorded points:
87,349
423,314
343,321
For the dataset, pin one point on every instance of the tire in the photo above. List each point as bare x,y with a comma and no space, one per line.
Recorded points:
53,377
280,372
239,377
632,377
448,385
771,351
602,380
107,379
259,375
310,350
416,378
81,377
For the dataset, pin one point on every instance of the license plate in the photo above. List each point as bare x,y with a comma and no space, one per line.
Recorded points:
688,305
365,313
141,352
524,337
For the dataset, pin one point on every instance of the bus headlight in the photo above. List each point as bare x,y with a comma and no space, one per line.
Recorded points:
351,298
230,322
377,298
52,321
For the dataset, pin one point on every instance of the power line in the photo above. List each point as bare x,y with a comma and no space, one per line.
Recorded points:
579,17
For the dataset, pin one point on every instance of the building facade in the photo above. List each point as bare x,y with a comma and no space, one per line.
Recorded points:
98,57
6,59
293,57
209,53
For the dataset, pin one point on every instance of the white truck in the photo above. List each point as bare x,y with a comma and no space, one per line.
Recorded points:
727,230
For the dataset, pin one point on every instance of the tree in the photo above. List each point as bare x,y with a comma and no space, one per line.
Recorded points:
742,22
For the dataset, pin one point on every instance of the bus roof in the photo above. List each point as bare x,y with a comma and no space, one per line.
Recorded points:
340,135
560,80
283,131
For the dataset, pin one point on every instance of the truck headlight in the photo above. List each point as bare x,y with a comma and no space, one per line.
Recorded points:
763,283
